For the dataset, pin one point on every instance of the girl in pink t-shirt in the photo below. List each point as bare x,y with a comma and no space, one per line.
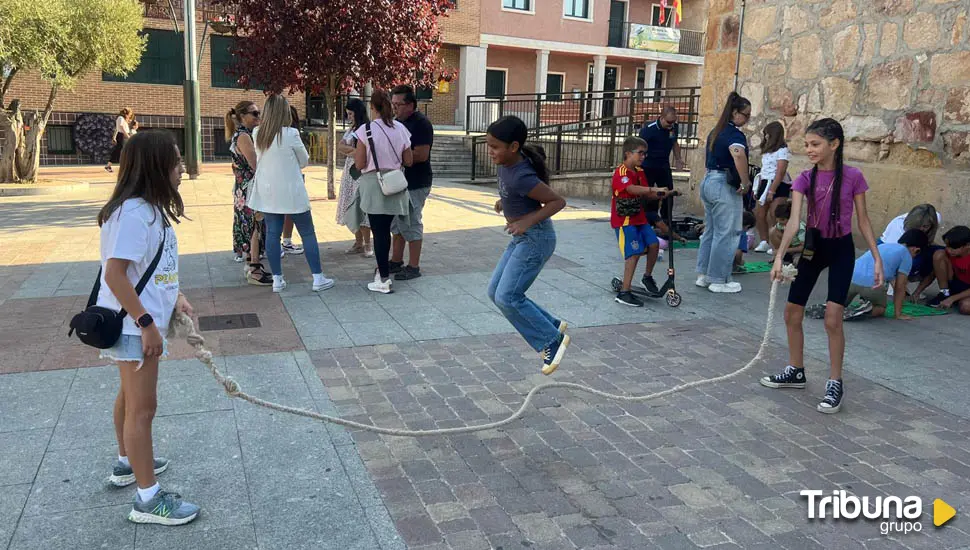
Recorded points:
831,190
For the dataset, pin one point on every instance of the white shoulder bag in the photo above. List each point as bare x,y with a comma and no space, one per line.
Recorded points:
393,182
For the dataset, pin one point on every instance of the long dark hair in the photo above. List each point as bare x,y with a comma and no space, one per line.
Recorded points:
147,161
734,103
774,134
357,107
830,130
510,129
381,102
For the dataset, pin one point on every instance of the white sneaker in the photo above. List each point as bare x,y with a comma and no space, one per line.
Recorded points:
368,251
377,277
321,282
763,246
725,288
238,258
279,283
770,252
384,287
702,281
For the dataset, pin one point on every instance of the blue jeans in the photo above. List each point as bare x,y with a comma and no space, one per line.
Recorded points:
514,274
274,231
722,219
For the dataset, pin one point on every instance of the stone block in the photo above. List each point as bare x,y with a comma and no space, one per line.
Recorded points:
892,8
768,51
838,96
950,69
922,31
890,35
957,108
755,93
806,57
759,23
796,20
957,146
904,155
889,85
869,33
729,32
864,128
919,127
959,23
845,45
837,12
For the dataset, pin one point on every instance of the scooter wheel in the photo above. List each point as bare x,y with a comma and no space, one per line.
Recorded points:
616,284
673,299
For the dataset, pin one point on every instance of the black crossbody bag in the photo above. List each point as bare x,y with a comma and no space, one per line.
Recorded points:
100,327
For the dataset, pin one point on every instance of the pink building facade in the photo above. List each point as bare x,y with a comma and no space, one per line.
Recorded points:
570,46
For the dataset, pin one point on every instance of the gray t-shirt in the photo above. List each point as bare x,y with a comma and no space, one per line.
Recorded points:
514,185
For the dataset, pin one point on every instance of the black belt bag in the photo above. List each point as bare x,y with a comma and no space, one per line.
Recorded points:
100,327
813,236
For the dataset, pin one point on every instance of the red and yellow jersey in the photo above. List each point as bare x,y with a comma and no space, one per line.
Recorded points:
624,177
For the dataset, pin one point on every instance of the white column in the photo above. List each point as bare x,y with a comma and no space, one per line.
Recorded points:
368,89
471,79
599,82
542,70
651,67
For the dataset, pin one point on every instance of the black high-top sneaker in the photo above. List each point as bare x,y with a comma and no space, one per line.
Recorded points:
791,377
832,401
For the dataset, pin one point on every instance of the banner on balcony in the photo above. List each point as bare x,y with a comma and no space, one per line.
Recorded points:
657,39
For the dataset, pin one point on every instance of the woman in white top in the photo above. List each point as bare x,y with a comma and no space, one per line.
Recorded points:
279,189
392,147
122,131
774,186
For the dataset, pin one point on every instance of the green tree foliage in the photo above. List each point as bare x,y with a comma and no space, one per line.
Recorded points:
60,40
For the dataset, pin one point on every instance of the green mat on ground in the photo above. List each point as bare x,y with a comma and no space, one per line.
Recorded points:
915,310
755,267
688,244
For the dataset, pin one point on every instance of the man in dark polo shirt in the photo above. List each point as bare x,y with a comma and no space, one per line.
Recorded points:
661,137
409,228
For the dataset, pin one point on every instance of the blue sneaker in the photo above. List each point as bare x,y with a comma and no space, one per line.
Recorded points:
123,476
552,355
164,509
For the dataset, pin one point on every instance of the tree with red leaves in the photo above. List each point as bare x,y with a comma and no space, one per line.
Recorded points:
333,46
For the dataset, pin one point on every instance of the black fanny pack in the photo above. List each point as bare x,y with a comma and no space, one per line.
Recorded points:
629,206
813,236
100,327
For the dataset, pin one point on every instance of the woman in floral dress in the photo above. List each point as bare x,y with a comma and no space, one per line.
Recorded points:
348,185
247,231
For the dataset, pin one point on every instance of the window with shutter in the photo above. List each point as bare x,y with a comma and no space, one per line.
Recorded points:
222,60
161,63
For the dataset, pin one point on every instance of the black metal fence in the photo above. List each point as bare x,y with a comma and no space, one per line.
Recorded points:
548,109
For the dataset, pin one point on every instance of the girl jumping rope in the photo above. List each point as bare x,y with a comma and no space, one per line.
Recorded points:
832,190
135,223
529,204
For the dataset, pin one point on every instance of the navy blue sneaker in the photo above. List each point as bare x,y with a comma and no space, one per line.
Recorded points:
561,326
123,476
164,509
553,354
832,402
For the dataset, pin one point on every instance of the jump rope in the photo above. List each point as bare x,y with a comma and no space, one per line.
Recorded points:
185,327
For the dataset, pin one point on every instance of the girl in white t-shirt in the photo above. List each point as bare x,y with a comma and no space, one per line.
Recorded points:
120,134
774,185
135,223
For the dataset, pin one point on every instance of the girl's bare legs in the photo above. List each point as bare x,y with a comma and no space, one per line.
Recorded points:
761,221
365,235
138,389
119,418
833,326
794,314
359,238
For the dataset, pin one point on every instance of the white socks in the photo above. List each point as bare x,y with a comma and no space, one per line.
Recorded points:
145,495
124,460
288,242
945,291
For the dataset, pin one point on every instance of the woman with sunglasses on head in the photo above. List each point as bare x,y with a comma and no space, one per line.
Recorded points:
247,231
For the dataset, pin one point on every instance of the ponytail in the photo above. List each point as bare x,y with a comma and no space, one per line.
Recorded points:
381,103
233,118
510,129
735,102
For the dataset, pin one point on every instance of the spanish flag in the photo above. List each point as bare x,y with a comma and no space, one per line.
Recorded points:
678,13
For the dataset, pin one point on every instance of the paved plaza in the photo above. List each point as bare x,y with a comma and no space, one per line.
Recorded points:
720,466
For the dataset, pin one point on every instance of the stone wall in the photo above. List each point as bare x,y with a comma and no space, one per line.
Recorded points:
895,73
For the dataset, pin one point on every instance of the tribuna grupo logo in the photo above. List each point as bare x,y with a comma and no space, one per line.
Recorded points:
897,515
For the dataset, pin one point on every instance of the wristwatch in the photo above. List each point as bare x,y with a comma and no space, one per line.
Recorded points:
144,321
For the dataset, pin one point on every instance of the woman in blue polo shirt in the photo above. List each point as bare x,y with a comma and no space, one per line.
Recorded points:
723,187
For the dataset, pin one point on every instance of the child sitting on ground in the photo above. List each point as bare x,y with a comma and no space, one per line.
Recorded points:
747,222
628,218
952,269
897,261
782,213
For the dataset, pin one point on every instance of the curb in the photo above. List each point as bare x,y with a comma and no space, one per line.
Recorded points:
19,190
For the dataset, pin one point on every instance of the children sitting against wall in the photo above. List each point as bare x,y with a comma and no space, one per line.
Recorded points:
897,261
747,222
951,268
629,219
782,213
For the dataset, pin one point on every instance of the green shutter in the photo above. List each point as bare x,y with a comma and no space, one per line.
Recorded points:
494,84
222,59
162,62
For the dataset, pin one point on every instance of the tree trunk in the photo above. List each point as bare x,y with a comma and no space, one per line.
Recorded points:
28,154
12,124
331,136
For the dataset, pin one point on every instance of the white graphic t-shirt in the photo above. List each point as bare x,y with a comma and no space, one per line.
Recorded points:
134,232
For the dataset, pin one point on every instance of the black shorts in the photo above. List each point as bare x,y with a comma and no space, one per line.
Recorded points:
783,191
838,255
657,176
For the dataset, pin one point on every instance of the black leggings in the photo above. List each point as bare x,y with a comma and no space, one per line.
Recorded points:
380,226
838,255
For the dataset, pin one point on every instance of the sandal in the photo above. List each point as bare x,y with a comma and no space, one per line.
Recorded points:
356,249
256,276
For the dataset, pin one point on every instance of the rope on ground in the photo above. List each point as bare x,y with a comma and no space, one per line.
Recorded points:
184,326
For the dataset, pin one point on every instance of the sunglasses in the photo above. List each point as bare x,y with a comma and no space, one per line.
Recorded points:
254,113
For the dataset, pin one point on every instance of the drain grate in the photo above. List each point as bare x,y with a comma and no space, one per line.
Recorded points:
228,322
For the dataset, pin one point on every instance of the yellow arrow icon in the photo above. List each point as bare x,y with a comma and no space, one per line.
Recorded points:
942,512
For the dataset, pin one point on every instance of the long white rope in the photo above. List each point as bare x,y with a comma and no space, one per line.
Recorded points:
184,326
